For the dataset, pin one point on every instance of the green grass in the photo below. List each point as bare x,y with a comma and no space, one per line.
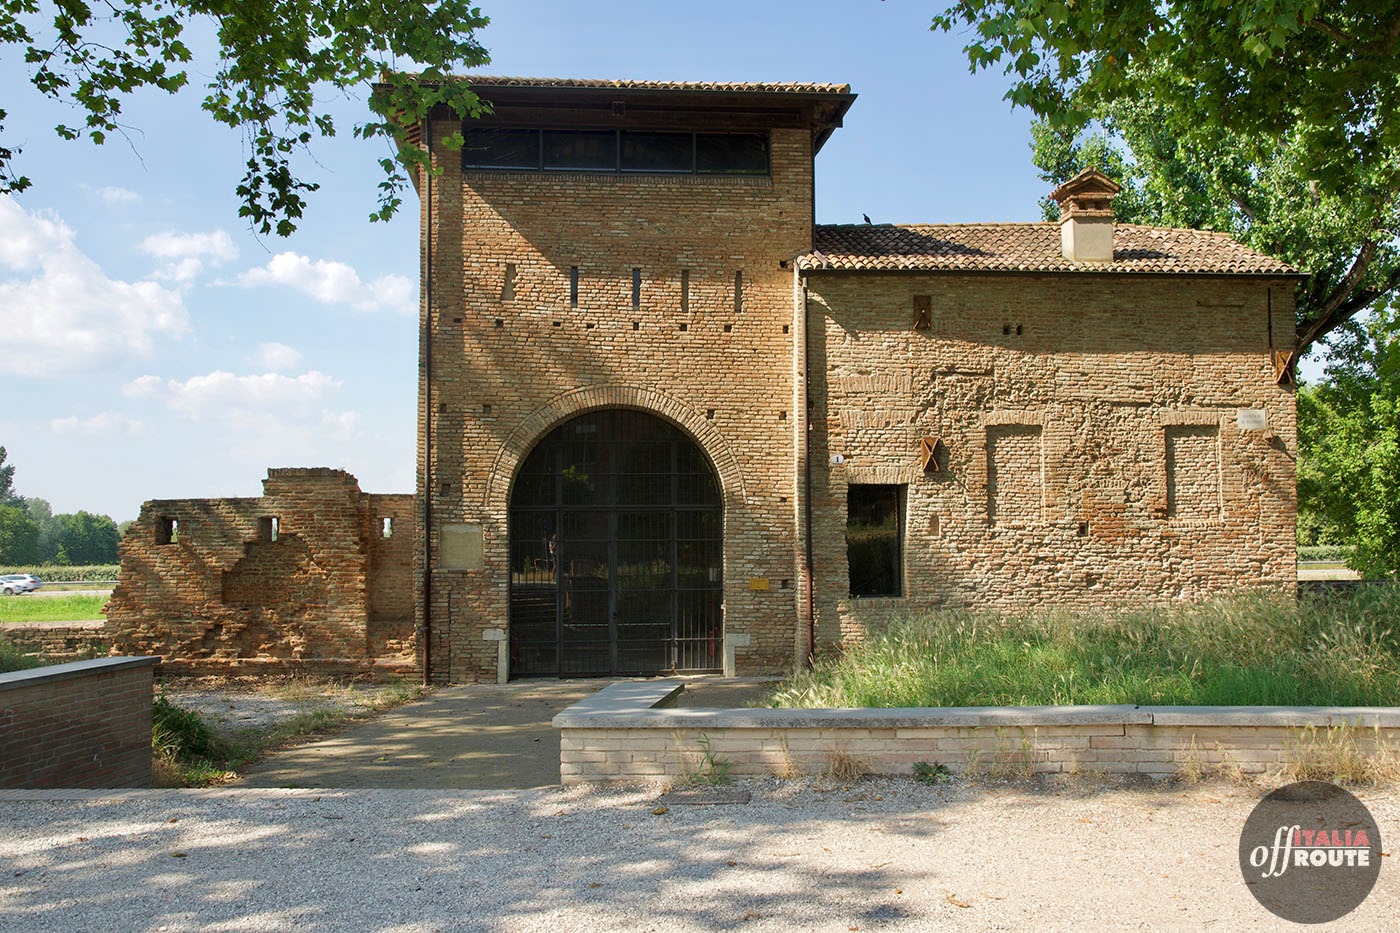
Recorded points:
188,752
1245,651
31,608
12,659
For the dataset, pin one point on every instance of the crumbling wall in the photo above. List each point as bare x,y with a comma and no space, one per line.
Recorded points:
284,580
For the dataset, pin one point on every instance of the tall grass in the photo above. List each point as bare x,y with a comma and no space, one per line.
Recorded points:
13,659
1252,650
31,608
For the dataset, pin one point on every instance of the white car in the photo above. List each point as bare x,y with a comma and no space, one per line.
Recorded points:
13,584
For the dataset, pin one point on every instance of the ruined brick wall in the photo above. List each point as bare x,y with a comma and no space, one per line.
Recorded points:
283,580
1091,441
512,359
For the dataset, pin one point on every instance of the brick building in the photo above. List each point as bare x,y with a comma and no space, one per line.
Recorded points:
667,422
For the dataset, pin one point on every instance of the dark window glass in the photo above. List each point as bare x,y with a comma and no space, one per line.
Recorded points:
657,152
731,153
586,150
874,540
489,148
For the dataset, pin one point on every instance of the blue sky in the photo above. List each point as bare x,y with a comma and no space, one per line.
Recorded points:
153,347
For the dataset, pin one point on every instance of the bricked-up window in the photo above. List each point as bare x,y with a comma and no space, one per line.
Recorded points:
1193,472
875,539
167,530
1015,474
660,153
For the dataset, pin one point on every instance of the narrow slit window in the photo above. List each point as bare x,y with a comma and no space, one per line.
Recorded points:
508,284
386,528
636,289
685,291
739,291
573,286
875,539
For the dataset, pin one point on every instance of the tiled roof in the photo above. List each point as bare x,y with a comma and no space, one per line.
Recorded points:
1029,248
723,86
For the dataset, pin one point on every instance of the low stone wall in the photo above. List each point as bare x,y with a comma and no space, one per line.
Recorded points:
81,724
623,732
56,641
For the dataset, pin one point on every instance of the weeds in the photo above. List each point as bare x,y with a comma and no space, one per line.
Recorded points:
935,773
13,659
712,770
845,768
1335,754
1251,650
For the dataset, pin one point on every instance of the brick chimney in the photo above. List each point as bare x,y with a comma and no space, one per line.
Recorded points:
1086,216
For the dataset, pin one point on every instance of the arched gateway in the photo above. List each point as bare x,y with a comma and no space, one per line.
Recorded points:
616,551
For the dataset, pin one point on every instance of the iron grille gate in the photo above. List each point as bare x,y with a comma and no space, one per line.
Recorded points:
616,551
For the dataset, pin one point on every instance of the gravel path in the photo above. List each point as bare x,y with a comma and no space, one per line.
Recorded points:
882,855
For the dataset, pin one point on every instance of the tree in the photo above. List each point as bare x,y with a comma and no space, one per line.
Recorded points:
7,483
42,514
278,60
1349,442
85,538
1305,87
19,537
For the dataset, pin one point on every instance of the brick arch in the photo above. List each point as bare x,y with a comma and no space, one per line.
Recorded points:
534,426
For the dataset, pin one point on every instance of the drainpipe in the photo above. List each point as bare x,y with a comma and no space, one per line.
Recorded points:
428,410
807,495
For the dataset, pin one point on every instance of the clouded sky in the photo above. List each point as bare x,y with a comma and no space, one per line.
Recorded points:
152,347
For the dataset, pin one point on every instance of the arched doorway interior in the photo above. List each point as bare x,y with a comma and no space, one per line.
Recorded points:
616,551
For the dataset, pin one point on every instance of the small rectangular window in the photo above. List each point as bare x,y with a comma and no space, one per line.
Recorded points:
580,150
493,148
685,291
267,528
508,284
573,286
386,528
167,530
875,539
636,289
657,152
731,153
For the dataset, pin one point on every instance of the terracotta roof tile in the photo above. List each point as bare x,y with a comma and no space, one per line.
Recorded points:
730,86
1029,248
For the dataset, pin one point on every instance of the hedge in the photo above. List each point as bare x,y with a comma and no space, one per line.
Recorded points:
74,574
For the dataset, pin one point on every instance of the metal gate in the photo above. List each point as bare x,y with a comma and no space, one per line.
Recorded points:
616,551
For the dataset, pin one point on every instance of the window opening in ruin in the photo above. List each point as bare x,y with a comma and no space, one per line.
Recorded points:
573,289
738,291
875,539
386,528
267,528
685,291
636,289
167,530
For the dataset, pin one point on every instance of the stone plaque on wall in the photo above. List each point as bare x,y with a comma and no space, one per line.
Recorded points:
461,547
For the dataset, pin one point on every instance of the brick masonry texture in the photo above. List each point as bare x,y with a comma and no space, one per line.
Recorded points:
668,753
330,592
1090,448
91,729
57,643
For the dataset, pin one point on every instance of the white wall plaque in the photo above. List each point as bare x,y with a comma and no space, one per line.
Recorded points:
838,459
1251,419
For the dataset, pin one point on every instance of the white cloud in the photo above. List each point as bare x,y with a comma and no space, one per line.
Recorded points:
187,254
116,197
59,310
106,422
334,283
265,415
277,356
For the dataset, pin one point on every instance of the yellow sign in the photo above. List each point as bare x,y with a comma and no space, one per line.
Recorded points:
758,583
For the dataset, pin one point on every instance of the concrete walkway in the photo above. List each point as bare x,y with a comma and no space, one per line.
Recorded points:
460,737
